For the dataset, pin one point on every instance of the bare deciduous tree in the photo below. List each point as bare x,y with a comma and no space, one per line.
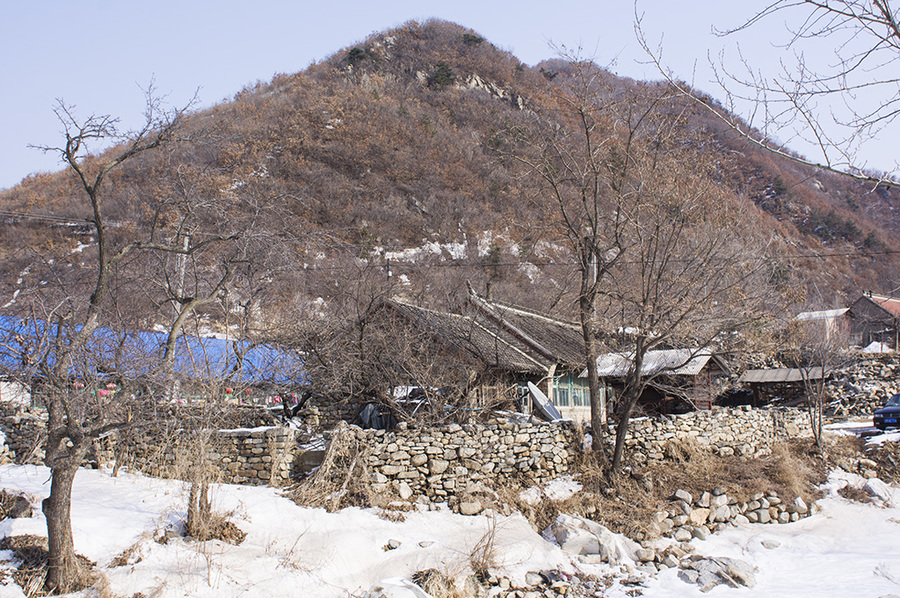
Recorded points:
661,249
584,165
835,87
78,325
691,278
816,346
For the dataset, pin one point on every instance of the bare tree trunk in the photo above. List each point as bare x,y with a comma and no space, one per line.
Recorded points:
630,401
199,525
631,394
63,569
816,407
598,407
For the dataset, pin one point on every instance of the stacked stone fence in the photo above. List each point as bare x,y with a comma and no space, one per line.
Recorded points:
443,462
743,431
323,413
251,456
25,430
435,462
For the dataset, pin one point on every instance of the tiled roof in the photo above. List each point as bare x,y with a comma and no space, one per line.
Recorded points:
889,304
553,339
469,335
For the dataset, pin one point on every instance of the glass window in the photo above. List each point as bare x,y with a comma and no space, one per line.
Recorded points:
562,397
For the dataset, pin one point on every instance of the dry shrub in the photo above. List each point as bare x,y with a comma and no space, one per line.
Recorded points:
129,556
394,511
202,524
437,584
32,573
855,494
483,556
14,505
342,480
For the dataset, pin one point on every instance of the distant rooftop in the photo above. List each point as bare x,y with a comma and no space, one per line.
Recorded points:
827,314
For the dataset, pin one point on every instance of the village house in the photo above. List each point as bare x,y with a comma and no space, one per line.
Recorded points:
834,323
874,319
509,346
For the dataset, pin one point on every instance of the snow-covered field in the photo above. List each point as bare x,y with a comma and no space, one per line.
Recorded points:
846,549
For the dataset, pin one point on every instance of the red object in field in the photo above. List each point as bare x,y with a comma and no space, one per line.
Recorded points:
103,392
248,391
228,391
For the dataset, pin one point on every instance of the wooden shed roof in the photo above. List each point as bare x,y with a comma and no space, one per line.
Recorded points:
779,375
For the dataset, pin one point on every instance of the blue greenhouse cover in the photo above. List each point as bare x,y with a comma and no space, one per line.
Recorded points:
135,353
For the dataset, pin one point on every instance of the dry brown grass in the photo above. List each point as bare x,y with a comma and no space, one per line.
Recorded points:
855,494
342,480
791,470
483,556
32,573
437,584
624,503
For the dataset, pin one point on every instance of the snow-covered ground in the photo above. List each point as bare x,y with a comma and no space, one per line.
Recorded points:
846,549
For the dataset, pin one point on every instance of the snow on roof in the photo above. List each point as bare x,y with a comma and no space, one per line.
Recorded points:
827,314
679,362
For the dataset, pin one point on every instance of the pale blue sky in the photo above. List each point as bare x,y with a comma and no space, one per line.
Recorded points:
96,54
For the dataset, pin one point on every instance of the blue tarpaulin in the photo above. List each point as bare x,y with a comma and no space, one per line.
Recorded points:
135,353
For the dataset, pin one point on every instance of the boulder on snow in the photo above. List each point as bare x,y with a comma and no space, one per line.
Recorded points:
709,572
396,587
880,490
577,535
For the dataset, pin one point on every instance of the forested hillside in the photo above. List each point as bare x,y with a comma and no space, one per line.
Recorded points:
396,167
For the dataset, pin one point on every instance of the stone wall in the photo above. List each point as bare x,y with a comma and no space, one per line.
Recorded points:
25,430
435,462
742,431
324,413
442,462
864,385
252,456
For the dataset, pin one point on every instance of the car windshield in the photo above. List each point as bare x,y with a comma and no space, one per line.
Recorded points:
894,401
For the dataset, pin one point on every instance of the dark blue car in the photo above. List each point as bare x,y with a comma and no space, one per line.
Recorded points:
889,415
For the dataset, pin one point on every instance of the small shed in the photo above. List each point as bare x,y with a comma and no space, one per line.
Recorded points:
694,376
785,382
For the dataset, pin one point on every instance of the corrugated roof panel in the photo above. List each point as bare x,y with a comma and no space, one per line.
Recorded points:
778,375
679,362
